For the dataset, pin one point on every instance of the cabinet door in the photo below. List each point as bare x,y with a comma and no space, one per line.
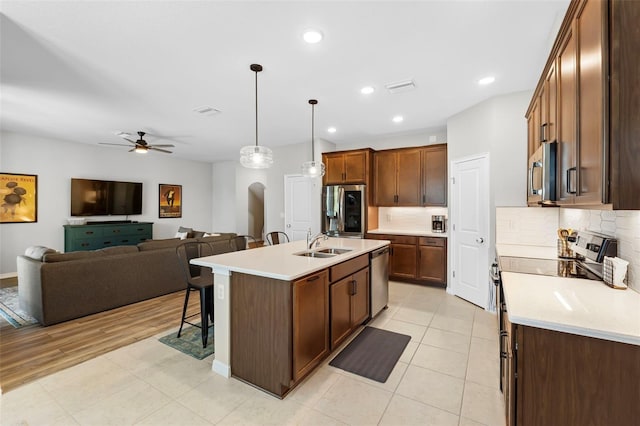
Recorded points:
408,186
591,137
434,176
340,310
534,127
310,322
355,167
566,160
334,169
433,263
403,260
384,179
549,115
360,297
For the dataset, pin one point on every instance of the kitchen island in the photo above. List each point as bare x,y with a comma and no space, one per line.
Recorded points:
271,308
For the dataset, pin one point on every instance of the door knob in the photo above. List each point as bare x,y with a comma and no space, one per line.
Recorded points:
479,240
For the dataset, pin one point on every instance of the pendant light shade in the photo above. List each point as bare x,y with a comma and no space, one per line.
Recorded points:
313,168
255,156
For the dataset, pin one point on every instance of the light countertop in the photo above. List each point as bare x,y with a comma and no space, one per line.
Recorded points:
280,262
416,233
573,305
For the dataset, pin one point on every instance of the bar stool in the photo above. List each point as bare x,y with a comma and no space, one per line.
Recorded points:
198,279
277,237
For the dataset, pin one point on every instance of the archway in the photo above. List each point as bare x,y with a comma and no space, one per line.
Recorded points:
255,204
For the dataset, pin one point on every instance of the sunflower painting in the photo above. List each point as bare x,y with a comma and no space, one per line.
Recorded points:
18,198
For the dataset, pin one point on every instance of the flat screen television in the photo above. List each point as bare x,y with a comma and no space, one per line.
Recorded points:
90,197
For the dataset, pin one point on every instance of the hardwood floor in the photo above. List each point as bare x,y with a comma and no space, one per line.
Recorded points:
31,352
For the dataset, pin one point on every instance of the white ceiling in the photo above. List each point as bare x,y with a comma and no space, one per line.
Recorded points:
82,70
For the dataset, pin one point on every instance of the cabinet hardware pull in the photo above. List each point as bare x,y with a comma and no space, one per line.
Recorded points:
107,243
317,277
571,185
543,133
503,355
88,232
424,198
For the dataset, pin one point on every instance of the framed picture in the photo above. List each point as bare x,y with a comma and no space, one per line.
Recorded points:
170,201
18,198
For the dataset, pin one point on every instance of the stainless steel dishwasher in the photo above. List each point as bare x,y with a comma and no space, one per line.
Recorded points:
379,263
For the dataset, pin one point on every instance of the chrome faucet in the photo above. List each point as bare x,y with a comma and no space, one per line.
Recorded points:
314,239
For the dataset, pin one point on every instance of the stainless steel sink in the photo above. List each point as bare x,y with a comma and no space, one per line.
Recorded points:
314,254
332,250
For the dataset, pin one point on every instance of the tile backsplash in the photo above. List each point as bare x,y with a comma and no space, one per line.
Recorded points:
624,225
538,226
527,226
408,218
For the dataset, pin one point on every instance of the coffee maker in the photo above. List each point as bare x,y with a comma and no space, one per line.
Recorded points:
438,223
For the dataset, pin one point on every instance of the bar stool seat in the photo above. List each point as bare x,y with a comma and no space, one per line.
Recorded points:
198,279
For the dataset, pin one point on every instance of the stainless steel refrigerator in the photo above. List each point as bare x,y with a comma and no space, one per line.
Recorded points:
344,209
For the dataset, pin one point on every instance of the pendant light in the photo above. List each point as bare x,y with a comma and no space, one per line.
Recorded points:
256,157
313,168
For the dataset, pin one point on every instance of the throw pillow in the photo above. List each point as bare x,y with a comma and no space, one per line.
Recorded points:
197,234
182,235
206,234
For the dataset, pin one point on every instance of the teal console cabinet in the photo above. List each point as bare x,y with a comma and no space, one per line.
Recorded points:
97,236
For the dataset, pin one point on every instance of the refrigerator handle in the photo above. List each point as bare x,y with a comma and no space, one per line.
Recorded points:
341,209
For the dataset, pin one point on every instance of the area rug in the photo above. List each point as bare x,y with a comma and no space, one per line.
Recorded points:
190,342
372,354
10,308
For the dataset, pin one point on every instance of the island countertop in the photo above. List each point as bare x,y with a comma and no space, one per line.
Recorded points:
280,262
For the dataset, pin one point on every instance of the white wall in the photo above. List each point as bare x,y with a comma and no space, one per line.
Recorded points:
498,127
431,136
56,162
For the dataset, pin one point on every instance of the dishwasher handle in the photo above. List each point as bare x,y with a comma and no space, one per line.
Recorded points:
379,252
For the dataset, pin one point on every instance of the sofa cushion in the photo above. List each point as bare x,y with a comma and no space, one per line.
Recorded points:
38,252
72,255
197,234
160,244
110,251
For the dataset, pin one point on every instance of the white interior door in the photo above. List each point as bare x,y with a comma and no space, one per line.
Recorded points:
470,229
302,206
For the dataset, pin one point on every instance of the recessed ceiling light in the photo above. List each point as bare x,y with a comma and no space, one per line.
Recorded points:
486,80
398,119
332,130
312,36
367,90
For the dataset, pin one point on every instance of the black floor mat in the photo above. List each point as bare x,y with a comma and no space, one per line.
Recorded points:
372,354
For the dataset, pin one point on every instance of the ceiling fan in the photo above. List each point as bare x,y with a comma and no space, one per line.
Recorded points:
141,146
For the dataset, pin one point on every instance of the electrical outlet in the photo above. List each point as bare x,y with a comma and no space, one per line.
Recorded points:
220,292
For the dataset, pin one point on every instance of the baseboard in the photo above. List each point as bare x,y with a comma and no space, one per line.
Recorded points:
222,369
8,275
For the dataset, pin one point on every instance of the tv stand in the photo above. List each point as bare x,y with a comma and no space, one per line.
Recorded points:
97,235
107,222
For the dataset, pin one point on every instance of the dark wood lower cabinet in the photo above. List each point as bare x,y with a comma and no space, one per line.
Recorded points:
310,323
282,330
556,378
416,259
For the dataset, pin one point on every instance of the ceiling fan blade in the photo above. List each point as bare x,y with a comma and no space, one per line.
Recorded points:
116,144
162,146
158,149
129,140
132,149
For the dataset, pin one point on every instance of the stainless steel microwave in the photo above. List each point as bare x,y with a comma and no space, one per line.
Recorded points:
541,181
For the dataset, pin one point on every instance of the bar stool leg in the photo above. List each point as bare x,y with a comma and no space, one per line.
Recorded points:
184,308
204,316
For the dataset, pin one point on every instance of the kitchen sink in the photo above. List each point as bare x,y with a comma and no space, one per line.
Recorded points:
314,254
331,250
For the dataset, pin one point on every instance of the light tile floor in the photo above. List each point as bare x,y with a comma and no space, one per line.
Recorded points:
448,375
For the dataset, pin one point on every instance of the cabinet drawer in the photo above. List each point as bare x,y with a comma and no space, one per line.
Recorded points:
395,239
432,241
82,231
349,267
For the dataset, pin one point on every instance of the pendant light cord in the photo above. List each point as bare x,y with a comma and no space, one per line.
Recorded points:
256,108
313,115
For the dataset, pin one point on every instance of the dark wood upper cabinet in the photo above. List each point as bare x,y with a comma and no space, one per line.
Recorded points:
347,167
410,176
594,65
434,175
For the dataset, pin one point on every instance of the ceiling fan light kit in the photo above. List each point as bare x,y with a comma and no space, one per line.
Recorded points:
313,169
256,157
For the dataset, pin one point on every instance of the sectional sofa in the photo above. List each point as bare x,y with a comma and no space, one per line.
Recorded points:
55,287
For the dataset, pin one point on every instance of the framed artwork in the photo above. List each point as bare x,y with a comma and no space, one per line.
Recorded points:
170,201
18,198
